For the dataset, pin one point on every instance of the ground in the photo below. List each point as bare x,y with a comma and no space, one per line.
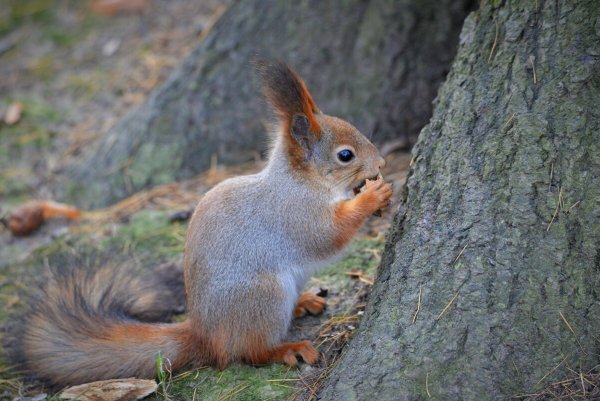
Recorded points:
74,74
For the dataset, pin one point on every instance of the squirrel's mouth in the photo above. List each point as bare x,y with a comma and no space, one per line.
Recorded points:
357,188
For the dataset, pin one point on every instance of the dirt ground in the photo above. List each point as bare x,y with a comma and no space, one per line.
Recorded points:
73,73
76,73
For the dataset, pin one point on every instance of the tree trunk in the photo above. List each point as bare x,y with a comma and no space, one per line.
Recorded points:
490,282
377,63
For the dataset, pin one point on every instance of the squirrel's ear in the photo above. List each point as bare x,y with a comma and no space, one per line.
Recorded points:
286,91
301,132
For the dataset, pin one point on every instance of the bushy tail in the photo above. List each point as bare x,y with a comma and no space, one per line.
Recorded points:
85,326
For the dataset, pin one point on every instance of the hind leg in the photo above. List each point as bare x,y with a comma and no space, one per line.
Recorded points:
248,323
266,316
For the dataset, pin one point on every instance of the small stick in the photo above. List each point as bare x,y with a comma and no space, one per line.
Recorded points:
447,306
551,175
418,306
427,384
494,45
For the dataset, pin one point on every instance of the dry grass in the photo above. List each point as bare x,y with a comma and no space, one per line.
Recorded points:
173,196
579,386
334,335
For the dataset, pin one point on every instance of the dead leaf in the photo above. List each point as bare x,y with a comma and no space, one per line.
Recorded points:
111,8
111,390
360,276
354,273
13,113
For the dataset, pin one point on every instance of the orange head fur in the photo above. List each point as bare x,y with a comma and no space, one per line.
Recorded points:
313,140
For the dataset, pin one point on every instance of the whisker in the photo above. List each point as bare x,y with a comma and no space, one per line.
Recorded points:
351,174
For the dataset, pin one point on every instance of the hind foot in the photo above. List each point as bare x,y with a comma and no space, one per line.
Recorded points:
309,303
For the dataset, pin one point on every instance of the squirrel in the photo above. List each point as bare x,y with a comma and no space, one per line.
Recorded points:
251,245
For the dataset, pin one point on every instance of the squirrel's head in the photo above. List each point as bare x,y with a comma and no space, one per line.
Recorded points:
316,145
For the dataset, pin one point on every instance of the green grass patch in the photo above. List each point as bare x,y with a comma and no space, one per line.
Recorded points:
149,237
87,85
363,255
15,12
31,130
236,383
149,234
44,67
61,37
23,141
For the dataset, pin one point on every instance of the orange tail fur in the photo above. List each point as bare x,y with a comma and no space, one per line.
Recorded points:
83,329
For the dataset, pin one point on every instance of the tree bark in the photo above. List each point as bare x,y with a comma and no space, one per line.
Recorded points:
490,283
377,63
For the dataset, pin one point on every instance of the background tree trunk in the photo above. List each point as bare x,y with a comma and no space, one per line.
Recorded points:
490,282
377,63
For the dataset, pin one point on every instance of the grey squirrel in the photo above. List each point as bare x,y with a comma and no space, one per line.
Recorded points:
252,243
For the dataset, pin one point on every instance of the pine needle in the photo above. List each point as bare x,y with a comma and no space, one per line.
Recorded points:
414,319
447,306
495,43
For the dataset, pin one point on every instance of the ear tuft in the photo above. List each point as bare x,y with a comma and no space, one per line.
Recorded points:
286,91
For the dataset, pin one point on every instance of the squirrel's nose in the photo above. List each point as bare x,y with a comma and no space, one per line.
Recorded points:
381,162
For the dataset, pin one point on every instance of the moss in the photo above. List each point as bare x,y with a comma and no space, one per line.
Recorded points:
15,12
153,163
362,255
61,37
86,86
44,67
149,234
17,142
239,382
35,115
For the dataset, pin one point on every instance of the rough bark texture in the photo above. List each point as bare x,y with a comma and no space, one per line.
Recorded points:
377,63
497,244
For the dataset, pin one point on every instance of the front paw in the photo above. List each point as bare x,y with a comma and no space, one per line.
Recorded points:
378,193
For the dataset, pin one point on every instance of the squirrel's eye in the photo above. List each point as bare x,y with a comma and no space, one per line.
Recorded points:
345,155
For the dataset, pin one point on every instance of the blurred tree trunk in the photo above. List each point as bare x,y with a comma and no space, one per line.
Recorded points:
377,63
490,281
